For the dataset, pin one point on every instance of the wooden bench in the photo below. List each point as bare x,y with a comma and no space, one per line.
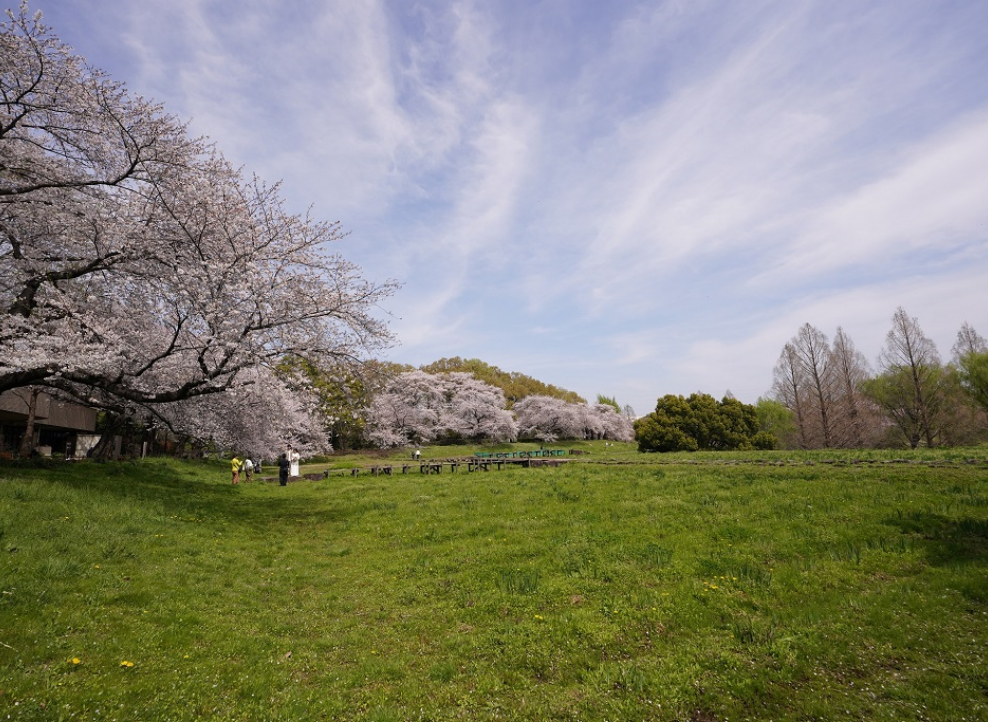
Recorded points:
485,464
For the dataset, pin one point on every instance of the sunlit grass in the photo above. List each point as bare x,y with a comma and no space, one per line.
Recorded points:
591,591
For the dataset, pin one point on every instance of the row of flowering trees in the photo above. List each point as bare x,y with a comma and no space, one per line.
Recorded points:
416,407
141,274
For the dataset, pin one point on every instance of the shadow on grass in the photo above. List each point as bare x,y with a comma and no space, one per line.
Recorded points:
180,488
947,541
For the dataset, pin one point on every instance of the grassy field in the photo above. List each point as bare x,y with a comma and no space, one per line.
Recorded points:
618,587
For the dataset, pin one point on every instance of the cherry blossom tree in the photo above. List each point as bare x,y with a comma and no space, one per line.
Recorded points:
477,410
136,264
549,419
344,392
260,415
593,425
614,426
419,407
406,411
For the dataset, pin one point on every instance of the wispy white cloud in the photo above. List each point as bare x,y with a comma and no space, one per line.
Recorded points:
653,197
933,201
733,164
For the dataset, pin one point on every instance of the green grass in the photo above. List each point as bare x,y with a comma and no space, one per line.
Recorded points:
596,452
617,587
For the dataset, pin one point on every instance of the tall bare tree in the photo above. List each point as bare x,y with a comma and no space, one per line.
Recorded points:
790,388
850,368
805,381
970,361
968,341
912,385
813,349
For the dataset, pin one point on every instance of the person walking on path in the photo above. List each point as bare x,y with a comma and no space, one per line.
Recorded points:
235,465
283,467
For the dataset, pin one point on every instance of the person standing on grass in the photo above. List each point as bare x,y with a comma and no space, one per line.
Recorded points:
293,459
283,467
235,465
248,470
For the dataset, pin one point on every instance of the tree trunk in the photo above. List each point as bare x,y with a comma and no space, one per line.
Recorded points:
104,447
27,441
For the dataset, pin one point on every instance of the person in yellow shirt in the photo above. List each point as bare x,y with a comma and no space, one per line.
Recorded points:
235,468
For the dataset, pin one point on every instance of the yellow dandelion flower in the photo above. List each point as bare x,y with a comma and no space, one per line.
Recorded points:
125,663
76,660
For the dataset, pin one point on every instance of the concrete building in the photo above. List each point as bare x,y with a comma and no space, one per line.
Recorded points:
60,427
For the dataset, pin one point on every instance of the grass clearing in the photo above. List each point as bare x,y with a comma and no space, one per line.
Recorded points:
706,587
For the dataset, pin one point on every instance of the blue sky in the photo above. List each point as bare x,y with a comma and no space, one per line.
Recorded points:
627,198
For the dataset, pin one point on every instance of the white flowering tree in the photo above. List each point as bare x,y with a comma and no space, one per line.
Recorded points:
550,419
475,410
613,425
419,407
260,415
593,424
405,411
136,266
